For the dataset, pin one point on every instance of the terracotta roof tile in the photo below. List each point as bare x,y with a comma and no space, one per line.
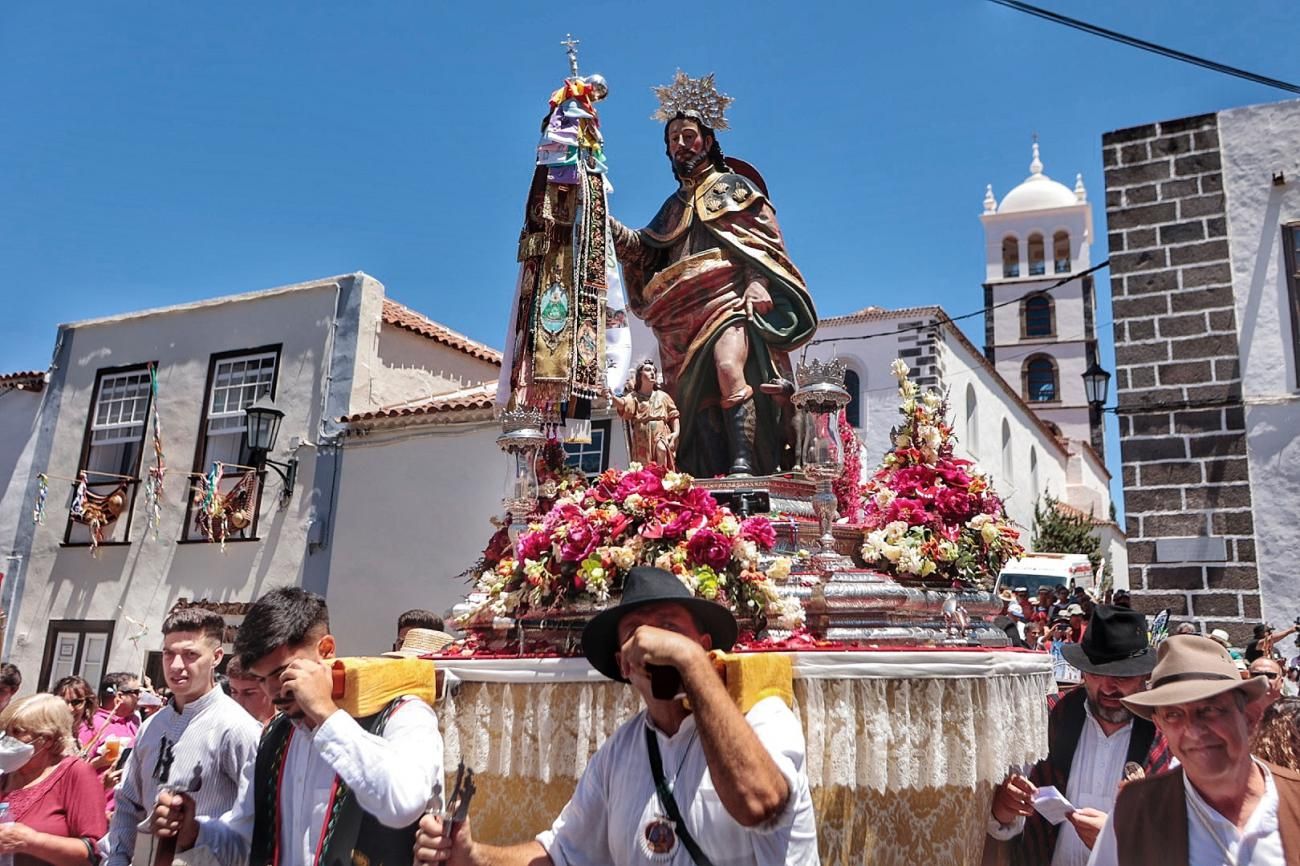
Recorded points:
480,398
28,380
870,314
405,317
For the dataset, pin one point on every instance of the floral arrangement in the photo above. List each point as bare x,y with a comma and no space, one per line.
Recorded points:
928,514
581,548
848,487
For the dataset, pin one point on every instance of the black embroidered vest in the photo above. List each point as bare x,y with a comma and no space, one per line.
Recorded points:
350,836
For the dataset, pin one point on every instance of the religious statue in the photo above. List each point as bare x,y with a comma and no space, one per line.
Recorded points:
711,277
568,341
651,416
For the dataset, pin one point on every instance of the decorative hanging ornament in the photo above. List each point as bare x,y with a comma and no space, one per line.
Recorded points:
218,514
42,492
697,97
154,483
95,511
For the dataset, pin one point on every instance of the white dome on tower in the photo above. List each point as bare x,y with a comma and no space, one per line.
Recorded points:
1038,191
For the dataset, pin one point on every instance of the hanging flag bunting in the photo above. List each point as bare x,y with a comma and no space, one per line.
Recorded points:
153,484
79,496
42,491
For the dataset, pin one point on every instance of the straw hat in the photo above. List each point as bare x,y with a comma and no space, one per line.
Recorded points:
1191,668
1221,637
1006,595
420,642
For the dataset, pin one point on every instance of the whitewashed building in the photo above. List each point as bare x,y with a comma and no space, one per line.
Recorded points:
321,350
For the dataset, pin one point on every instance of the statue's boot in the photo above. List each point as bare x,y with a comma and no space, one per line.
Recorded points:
741,423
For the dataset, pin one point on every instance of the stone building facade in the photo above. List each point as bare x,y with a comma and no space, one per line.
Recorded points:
1198,212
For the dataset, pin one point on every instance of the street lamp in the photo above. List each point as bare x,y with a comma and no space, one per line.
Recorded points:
1096,383
261,429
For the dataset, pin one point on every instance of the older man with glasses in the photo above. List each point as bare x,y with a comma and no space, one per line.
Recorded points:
1268,669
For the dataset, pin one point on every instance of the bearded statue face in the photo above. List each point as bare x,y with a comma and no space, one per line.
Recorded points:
689,143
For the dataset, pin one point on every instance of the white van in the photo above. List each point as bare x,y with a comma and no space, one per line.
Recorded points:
1047,569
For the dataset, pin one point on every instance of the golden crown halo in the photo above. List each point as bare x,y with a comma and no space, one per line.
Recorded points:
694,96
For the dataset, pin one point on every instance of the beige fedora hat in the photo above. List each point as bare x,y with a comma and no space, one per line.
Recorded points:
1191,668
420,642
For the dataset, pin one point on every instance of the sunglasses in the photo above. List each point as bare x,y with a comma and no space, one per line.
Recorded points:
129,691
75,702
1269,674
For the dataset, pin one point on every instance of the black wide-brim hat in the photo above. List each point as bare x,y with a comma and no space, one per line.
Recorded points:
1114,644
645,586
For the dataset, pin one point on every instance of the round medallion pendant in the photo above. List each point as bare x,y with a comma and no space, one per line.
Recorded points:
660,838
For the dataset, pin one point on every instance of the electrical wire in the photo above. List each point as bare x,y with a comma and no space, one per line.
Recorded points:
980,312
1142,44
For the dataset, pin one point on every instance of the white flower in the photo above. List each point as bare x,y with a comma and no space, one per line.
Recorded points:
788,613
634,502
895,530
634,467
779,569
892,552
978,521
930,436
931,399
729,526
745,551
989,532
910,561
664,561
899,369
675,482
885,497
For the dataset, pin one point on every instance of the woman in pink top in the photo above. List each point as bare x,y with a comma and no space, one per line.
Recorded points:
80,698
56,802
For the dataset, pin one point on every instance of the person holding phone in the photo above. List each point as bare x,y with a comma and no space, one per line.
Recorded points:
673,785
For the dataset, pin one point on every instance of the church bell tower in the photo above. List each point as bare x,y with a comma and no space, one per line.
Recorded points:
1042,336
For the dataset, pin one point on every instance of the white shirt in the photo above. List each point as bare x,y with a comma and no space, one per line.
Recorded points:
212,734
393,777
1095,773
604,823
1209,833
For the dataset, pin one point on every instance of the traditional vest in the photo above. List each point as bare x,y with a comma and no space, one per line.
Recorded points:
1151,819
350,836
1065,720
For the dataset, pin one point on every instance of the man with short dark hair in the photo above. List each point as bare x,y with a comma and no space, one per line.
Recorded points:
11,680
325,788
247,691
738,792
416,618
201,740
1220,805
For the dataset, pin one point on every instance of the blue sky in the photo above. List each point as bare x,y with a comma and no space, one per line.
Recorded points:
161,152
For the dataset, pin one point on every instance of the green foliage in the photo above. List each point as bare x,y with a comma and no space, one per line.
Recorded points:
1057,531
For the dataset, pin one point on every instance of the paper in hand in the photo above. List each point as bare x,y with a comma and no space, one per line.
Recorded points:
1052,805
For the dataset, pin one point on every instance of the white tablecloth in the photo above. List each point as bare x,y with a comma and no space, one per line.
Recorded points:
883,721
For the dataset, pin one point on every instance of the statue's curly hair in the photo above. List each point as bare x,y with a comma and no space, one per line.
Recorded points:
714,153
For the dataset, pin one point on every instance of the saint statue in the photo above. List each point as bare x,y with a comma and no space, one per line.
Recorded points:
711,277
651,416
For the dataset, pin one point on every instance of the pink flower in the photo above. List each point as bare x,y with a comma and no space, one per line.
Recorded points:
534,545
955,505
643,482
677,520
710,548
580,540
954,476
699,500
910,511
758,530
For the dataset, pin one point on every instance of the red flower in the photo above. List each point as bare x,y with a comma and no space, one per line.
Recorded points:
709,548
758,530
497,546
615,526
